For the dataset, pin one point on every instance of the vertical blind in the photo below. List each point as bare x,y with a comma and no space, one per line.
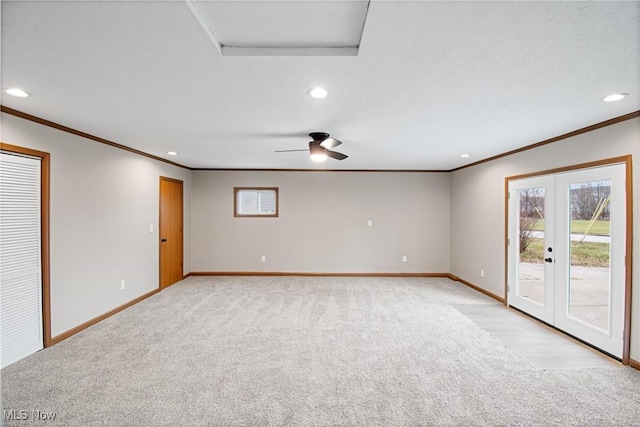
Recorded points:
20,258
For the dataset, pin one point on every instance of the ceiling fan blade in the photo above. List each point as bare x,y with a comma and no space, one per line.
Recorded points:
330,143
288,151
336,155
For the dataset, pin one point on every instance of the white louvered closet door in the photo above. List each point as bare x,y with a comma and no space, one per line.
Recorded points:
20,258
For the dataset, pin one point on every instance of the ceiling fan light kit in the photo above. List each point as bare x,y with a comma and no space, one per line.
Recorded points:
318,154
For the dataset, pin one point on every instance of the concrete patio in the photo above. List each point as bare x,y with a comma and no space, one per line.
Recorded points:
589,293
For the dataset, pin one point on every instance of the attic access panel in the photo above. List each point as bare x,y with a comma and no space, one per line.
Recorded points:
283,28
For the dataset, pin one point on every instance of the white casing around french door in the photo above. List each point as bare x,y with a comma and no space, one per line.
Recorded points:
556,274
21,331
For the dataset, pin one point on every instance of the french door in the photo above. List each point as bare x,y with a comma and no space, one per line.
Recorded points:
566,250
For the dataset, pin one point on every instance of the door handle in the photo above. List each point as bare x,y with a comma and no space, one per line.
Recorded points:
163,240
548,259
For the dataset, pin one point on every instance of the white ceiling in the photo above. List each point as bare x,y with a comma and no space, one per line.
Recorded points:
432,80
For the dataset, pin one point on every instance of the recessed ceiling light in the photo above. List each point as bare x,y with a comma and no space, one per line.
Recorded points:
318,92
18,92
465,155
172,153
615,97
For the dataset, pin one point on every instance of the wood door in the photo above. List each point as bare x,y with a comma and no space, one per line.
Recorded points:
171,232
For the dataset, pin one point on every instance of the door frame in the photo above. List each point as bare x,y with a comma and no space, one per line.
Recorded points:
626,160
45,265
164,178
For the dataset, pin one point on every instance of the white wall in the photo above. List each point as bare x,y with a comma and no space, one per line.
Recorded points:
103,200
477,205
322,226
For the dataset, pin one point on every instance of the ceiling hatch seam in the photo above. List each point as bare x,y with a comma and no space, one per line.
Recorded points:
205,26
364,21
230,46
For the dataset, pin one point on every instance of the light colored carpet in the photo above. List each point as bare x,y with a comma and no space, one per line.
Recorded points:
308,351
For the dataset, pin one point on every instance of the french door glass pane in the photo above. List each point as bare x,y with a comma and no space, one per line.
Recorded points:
531,244
590,248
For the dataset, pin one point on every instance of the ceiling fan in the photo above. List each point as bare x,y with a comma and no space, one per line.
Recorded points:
321,147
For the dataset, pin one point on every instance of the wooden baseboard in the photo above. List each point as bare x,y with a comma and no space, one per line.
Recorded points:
477,288
289,273
633,363
85,325
110,313
305,274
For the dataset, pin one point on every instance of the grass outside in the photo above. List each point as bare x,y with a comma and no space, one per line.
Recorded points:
579,226
585,254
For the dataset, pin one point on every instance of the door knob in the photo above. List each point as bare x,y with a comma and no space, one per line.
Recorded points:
163,240
548,260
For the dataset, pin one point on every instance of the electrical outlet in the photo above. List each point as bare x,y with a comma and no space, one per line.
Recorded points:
370,223
264,258
404,258
481,273
122,284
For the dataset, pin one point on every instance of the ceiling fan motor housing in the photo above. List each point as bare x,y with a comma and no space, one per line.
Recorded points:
319,136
